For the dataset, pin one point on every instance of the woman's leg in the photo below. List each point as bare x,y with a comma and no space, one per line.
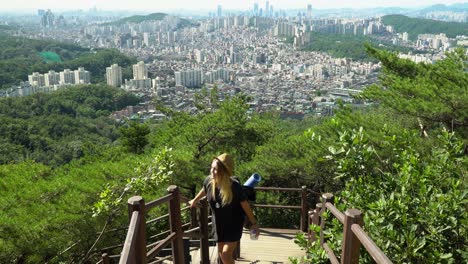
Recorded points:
226,250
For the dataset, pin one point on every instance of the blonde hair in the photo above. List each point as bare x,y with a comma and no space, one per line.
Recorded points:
223,180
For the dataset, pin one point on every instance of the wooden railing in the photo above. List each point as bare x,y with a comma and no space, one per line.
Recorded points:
304,207
353,234
136,250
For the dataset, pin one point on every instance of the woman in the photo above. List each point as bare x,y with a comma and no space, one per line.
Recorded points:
228,204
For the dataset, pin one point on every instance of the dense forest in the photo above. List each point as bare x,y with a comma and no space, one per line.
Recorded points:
137,19
415,26
154,16
54,129
350,46
20,57
405,168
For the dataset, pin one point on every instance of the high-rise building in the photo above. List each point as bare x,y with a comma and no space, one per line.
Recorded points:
140,71
51,78
47,19
267,8
82,76
199,55
220,11
67,77
309,11
114,75
189,78
146,39
36,79
255,9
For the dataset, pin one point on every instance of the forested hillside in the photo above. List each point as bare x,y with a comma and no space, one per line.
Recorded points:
20,57
56,128
405,169
142,18
350,46
415,26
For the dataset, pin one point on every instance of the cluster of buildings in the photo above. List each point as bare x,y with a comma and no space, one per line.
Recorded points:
140,79
48,82
49,20
248,53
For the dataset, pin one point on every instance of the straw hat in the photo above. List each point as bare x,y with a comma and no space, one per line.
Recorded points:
227,161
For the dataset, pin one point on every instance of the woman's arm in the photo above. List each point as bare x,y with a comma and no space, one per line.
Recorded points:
248,211
194,201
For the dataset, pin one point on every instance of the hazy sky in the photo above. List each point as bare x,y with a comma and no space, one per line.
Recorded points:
154,5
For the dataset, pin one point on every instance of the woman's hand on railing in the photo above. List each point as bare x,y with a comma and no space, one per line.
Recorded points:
193,203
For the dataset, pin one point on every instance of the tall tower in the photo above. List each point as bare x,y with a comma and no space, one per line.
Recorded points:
309,11
255,10
140,71
82,76
267,8
220,11
114,75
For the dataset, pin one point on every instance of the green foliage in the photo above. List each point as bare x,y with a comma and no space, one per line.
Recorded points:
155,16
414,203
436,93
349,46
223,127
134,137
150,177
43,211
314,253
138,19
56,128
20,57
415,26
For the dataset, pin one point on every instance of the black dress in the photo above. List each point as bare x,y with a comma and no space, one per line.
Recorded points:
227,219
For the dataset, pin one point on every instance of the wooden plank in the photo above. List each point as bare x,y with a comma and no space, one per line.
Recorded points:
273,246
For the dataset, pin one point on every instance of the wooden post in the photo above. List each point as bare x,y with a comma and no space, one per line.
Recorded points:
176,225
351,244
193,217
316,220
326,198
304,209
105,258
310,214
204,243
136,203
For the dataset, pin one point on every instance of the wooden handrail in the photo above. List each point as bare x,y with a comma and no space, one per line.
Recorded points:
157,219
277,189
277,206
304,207
331,255
174,198
339,215
161,260
353,234
370,245
159,201
129,246
160,245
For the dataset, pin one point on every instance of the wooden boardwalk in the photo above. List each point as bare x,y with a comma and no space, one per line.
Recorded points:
274,246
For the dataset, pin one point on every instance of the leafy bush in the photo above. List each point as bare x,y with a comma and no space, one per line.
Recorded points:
414,202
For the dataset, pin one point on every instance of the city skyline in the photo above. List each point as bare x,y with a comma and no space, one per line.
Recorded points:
207,4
